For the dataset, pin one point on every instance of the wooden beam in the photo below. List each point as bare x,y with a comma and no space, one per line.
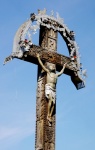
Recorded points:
49,56
55,58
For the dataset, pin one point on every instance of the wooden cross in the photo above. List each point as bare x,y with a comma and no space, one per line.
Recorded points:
45,133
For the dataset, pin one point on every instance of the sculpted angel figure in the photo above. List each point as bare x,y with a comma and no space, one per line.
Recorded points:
50,87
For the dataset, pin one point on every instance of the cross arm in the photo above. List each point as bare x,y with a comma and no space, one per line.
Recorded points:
49,56
55,58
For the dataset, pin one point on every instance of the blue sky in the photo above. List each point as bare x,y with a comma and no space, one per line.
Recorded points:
75,127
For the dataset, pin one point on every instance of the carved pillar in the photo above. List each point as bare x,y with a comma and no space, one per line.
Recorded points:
45,134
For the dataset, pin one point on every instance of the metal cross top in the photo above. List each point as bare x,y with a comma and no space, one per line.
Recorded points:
49,61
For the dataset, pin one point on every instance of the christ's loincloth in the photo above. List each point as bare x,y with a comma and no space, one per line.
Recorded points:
50,91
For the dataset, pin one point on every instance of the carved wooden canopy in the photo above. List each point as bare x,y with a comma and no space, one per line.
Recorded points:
73,68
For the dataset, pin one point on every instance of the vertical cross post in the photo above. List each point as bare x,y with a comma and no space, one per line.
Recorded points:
45,134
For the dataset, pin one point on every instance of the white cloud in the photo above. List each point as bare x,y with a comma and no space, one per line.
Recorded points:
16,130
12,136
7,132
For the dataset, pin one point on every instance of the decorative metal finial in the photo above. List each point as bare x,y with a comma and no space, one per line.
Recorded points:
42,12
52,13
59,18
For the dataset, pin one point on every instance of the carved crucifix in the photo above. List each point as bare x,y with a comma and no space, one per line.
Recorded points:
49,61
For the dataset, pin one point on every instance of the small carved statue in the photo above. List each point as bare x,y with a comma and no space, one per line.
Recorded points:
50,87
25,45
72,35
32,16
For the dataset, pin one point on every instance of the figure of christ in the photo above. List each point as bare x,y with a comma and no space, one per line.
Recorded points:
50,87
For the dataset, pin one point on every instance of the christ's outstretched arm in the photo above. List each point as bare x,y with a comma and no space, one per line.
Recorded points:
58,74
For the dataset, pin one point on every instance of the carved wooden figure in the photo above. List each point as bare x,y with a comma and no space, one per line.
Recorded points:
50,86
